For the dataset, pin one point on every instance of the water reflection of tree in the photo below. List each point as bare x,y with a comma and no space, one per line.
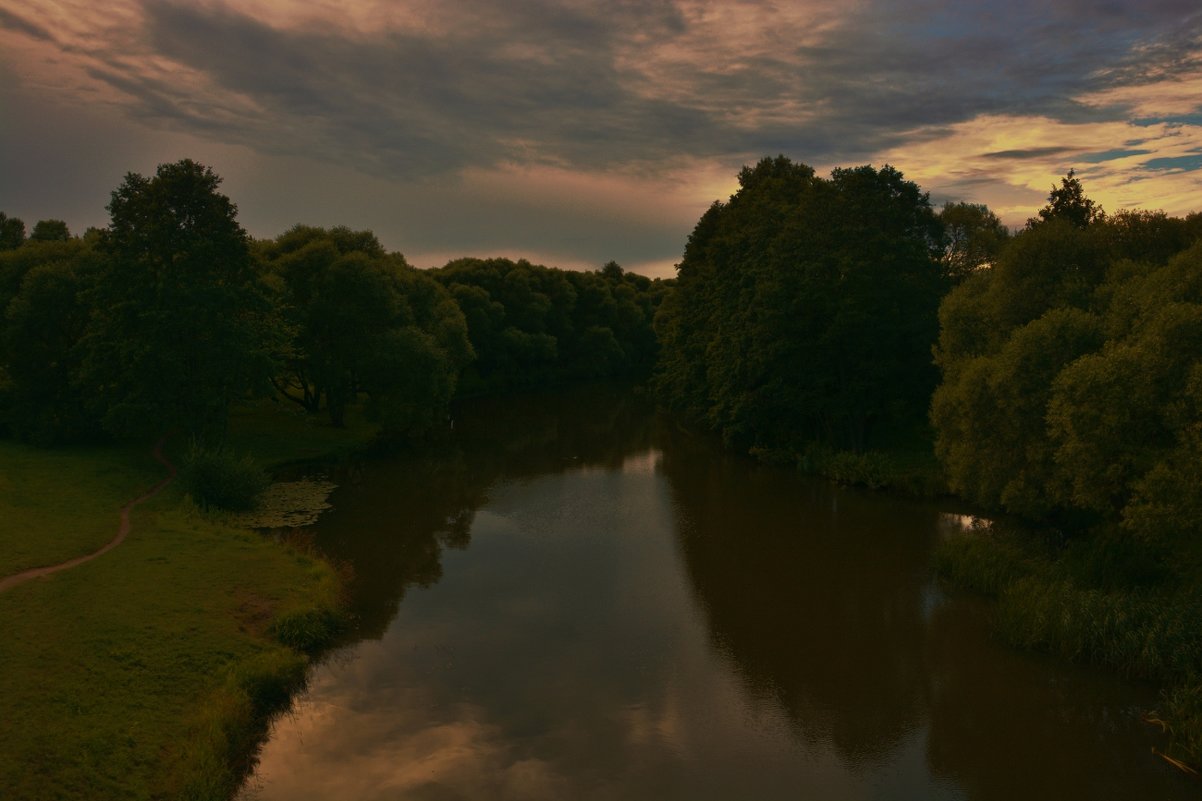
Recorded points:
814,593
1006,724
395,514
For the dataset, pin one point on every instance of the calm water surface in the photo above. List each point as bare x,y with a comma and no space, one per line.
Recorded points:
585,602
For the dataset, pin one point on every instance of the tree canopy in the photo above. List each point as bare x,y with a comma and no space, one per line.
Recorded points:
362,321
805,308
1071,371
180,324
1068,202
534,326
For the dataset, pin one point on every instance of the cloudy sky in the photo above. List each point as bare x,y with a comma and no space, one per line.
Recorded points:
578,131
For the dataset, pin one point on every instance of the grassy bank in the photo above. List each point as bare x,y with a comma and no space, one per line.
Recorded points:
1107,599
150,672
907,464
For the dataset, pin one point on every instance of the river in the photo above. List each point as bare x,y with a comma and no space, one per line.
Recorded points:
584,601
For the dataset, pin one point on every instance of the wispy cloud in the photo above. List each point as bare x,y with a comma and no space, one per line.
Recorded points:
990,100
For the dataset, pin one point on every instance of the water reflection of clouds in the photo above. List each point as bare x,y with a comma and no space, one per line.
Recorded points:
375,755
659,626
611,692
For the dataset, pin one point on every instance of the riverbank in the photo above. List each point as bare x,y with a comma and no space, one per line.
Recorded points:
152,671
1107,599
1102,598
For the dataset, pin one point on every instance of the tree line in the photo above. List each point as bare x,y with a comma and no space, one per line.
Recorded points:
805,309
1072,371
173,313
1058,368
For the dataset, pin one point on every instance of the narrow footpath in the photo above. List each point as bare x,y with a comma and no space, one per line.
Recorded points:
122,530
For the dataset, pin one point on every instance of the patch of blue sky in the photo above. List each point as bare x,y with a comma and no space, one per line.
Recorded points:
1111,155
1183,163
1174,119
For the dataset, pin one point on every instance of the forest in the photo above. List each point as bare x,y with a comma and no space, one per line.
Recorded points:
172,313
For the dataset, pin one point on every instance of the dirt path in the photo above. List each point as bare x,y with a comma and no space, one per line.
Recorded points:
122,530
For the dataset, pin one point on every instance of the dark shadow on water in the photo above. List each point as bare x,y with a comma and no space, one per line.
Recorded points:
417,504
815,593
758,596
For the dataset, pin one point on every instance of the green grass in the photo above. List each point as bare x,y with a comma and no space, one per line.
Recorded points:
61,503
150,672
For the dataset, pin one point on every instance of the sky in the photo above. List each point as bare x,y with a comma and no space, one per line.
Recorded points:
580,131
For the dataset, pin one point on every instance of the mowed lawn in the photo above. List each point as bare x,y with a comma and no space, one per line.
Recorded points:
141,674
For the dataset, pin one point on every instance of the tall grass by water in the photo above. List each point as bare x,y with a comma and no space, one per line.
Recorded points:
216,478
1104,599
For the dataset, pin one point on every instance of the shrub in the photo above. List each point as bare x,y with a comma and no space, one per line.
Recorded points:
309,630
217,479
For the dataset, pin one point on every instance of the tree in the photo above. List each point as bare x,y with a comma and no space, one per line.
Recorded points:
805,308
50,231
44,311
973,238
532,325
1069,203
364,322
181,326
12,232
1071,375
990,413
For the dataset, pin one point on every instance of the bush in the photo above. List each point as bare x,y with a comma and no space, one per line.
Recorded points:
906,471
309,630
217,479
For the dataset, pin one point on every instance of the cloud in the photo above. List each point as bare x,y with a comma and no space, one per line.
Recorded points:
15,22
435,88
1005,157
575,130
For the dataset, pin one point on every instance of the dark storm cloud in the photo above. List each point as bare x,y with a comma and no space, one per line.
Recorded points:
897,68
541,82
1027,153
410,105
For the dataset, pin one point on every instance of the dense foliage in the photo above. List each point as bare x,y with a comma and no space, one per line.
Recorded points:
180,326
1072,370
172,313
362,321
806,309
537,326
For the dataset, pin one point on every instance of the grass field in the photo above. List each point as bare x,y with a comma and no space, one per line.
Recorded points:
149,672
46,519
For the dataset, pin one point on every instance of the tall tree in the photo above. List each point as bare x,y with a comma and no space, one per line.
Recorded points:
50,231
805,308
44,311
12,232
973,238
364,322
1068,202
181,326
